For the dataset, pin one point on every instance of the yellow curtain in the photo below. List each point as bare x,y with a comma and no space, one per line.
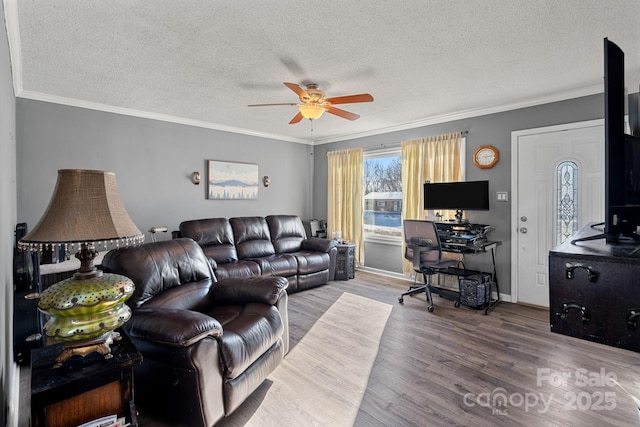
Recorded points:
344,197
435,159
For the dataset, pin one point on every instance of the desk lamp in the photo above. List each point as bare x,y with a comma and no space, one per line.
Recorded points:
84,211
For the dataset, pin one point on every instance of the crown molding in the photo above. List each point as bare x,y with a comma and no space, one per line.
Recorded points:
444,118
37,96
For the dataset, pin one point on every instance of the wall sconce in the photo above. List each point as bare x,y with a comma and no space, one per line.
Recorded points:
195,178
266,181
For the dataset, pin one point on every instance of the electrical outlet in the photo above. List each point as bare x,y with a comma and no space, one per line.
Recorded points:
502,196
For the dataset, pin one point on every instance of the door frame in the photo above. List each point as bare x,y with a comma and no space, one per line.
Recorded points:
515,136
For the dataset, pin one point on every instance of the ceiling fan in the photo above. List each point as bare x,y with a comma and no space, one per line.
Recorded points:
313,103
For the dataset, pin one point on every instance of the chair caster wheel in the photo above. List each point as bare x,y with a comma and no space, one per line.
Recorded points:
430,309
456,304
400,300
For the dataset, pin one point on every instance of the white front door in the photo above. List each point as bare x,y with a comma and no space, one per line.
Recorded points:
557,187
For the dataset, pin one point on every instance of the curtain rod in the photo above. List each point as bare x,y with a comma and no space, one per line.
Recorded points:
397,144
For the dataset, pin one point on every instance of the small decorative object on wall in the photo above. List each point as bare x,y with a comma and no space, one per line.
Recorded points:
266,181
486,156
195,177
232,181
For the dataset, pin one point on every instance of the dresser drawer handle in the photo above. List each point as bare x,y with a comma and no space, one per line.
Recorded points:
34,337
631,318
571,267
584,313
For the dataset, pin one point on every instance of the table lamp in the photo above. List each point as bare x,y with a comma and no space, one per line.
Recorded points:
85,211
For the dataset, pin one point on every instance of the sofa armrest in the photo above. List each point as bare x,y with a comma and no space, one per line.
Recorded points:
172,327
242,290
319,244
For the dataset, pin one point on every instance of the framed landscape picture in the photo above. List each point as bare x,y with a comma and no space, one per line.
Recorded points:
232,181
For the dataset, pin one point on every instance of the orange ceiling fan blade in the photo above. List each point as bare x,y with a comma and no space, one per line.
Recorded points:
296,119
351,99
270,105
342,113
296,88
313,98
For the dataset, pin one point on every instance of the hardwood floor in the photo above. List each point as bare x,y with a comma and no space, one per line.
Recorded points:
448,367
452,366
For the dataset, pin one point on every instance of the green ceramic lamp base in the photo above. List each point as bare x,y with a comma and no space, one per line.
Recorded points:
86,309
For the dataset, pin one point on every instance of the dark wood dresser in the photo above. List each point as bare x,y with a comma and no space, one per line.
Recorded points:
594,290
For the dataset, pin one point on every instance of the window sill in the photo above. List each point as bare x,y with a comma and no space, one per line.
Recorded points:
383,240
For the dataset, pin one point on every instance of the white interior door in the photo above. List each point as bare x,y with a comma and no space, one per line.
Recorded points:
558,188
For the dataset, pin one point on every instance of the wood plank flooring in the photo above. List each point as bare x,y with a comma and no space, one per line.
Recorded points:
450,367
460,367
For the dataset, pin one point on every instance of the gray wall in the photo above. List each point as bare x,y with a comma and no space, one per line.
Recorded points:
9,393
494,129
153,161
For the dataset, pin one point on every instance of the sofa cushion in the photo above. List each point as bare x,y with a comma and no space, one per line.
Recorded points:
214,235
287,232
249,331
312,262
157,267
284,265
240,268
252,238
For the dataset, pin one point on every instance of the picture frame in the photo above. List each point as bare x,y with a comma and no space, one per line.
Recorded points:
232,180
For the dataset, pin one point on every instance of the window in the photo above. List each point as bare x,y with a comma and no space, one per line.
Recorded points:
567,201
382,181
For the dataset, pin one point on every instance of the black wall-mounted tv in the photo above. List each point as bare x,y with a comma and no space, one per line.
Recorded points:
464,195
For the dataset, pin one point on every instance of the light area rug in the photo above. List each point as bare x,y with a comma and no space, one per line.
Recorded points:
322,380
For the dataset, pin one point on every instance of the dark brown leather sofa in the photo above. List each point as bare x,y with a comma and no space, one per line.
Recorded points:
206,344
275,245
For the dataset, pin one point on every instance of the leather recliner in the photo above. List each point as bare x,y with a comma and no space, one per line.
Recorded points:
206,344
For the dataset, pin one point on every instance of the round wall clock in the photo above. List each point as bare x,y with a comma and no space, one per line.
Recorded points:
486,156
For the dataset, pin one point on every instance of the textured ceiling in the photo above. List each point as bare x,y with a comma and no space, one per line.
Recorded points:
424,61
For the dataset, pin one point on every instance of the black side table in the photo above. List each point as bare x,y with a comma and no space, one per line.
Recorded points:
346,261
83,388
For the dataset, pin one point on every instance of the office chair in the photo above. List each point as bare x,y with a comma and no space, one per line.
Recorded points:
424,250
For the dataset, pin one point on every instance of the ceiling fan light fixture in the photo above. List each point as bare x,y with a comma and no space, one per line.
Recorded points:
311,112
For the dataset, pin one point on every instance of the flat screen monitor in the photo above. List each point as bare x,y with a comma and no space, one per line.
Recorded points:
465,195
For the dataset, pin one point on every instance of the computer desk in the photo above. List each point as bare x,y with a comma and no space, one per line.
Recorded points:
479,248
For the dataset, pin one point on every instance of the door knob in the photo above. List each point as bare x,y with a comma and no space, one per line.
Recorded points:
523,230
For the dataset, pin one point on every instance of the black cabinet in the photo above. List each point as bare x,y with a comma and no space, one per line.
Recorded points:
83,389
593,290
27,333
